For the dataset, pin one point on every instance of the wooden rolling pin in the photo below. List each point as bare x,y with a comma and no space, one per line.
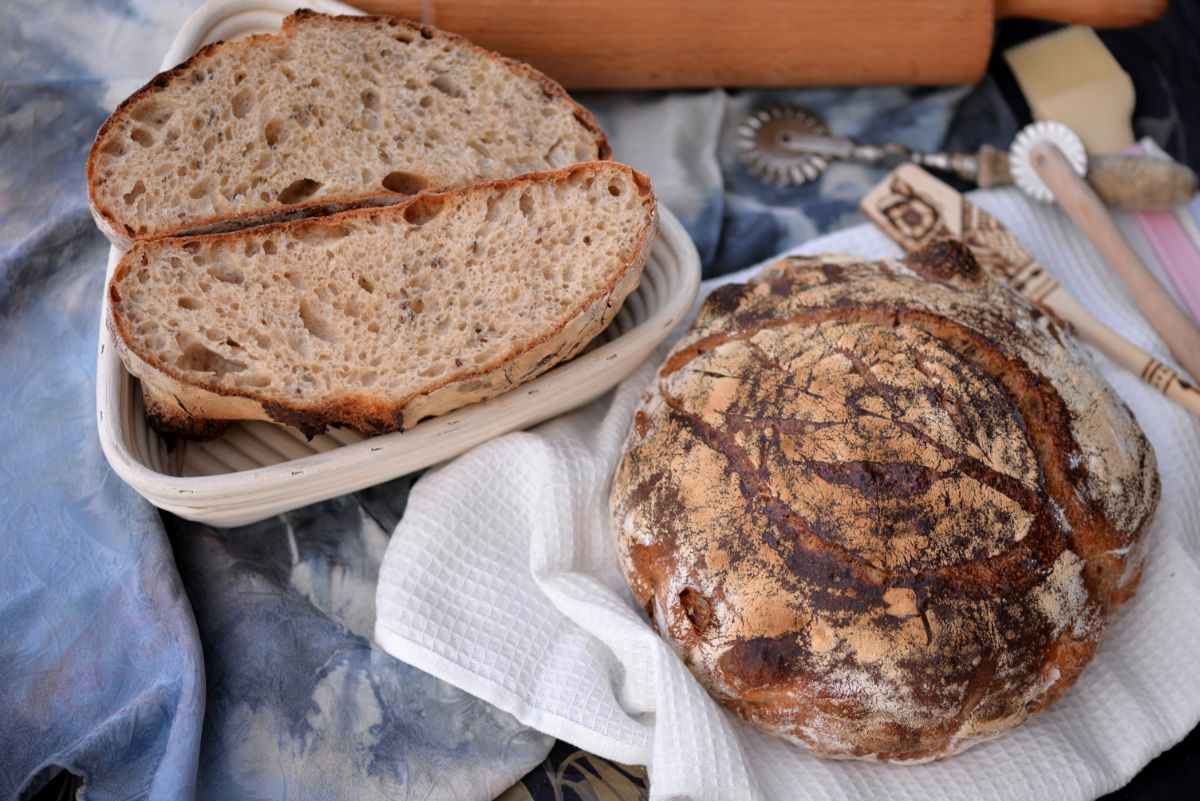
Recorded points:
661,44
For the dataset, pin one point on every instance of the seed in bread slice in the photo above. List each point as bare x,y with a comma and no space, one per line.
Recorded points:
331,113
377,318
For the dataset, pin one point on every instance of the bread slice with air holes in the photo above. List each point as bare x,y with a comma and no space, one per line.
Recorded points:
377,318
330,113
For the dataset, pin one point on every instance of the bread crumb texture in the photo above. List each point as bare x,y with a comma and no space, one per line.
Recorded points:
354,316
334,110
883,509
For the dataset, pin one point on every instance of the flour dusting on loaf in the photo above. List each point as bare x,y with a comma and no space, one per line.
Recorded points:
883,509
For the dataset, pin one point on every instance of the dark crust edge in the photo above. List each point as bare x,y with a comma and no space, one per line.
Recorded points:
172,419
352,410
118,232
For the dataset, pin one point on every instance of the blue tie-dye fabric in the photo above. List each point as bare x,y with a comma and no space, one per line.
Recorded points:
162,659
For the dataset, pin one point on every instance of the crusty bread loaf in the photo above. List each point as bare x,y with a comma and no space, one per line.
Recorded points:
882,509
377,318
332,112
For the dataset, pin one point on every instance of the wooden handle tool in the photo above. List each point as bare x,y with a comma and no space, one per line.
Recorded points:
657,44
913,208
1122,182
1081,204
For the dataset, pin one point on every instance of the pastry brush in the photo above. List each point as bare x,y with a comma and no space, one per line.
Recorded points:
1070,77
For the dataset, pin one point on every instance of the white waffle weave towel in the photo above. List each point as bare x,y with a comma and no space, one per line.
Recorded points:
502,579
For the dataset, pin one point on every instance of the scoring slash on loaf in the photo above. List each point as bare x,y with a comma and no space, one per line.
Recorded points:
883,509
379,317
329,114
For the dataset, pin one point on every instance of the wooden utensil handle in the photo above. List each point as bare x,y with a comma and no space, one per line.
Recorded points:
1087,211
1124,352
1084,12
1125,182
643,44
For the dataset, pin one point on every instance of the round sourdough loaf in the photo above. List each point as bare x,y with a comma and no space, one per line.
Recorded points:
883,509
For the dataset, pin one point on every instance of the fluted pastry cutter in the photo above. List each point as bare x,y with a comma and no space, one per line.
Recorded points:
791,145
1048,162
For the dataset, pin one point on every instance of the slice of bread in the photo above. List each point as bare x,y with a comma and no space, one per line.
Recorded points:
377,318
329,114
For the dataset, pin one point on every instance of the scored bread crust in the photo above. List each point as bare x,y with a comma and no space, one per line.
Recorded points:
123,235
179,403
882,509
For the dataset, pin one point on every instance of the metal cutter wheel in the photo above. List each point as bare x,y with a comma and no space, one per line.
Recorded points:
762,145
790,145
